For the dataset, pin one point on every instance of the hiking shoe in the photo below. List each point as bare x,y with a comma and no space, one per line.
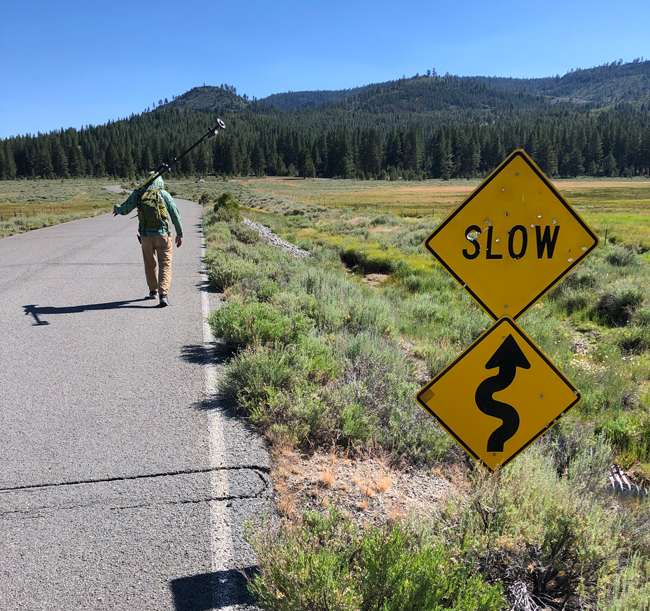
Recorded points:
164,302
152,295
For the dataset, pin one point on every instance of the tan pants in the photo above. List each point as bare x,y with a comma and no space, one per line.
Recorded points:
158,247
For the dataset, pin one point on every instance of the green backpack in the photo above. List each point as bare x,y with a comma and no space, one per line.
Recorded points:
152,211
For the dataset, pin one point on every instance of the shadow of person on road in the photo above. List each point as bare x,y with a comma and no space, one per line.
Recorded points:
38,311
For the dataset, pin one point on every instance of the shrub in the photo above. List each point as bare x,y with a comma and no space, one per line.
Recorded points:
631,588
326,562
257,323
641,316
386,219
225,271
244,234
635,340
357,424
548,532
258,374
617,305
619,256
226,208
368,261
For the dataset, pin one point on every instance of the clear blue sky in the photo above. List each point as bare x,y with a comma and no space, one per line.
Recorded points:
71,63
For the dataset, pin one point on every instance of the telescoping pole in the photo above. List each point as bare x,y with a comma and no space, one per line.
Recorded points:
167,167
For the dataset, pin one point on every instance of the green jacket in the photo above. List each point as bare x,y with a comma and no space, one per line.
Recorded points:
172,211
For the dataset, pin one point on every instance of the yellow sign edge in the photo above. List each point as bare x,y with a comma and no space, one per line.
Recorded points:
515,327
518,153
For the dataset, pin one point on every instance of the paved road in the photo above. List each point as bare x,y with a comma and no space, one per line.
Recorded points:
124,482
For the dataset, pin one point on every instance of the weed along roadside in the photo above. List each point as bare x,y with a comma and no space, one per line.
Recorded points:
378,505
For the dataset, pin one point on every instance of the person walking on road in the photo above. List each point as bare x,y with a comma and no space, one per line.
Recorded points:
155,210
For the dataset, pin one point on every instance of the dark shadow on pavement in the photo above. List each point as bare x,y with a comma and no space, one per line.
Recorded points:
37,311
200,354
213,590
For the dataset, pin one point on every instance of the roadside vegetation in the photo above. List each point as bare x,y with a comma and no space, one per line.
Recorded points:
32,204
328,353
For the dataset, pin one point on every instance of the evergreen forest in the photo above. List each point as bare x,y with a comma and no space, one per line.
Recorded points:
412,128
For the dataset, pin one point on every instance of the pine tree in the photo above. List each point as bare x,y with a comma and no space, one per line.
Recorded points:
575,162
112,161
146,160
43,163
10,163
258,161
3,164
59,160
609,165
306,167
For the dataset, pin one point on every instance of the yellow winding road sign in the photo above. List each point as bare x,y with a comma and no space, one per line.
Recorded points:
512,239
499,395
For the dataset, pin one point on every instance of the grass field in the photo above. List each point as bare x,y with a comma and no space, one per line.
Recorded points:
32,204
617,209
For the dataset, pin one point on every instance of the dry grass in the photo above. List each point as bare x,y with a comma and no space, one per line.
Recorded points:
367,489
616,208
364,484
383,483
439,198
327,478
32,204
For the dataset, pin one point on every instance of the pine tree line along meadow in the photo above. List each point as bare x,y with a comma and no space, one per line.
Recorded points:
411,128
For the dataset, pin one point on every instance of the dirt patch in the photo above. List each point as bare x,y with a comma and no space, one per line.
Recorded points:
421,370
384,229
374,280
576,185
366,489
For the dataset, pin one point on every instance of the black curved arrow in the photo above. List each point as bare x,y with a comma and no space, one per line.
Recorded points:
507,358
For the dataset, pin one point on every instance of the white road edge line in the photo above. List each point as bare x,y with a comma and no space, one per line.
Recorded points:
221,533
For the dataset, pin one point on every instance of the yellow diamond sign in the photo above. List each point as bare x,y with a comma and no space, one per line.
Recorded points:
512,239
499,395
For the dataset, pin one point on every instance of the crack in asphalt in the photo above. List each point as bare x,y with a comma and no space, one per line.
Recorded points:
255,468
39,511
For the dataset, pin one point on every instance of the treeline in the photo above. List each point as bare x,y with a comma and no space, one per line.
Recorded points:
563,142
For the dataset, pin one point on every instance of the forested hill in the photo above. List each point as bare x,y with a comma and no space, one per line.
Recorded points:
212,99
421,127
432,97
610,83
298,100
607,84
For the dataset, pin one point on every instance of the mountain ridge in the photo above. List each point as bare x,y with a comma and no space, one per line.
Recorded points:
602,85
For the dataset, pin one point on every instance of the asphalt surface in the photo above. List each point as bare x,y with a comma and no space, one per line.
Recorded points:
125,480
